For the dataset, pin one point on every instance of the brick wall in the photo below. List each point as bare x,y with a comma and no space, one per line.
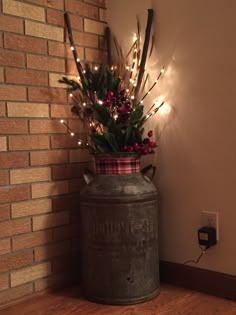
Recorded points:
40,164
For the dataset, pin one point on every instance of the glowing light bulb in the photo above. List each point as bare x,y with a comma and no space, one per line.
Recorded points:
72,134
135,50
78,60
149,92
132,97
115,117
78,78
162,70
147,116
62,121
96,68
127,67
141,101
79,142
100,102
165,109
71,95
72,48
84,104
127,90
135,37
84,71
112,68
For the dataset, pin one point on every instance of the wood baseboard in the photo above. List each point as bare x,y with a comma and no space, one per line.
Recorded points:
211,282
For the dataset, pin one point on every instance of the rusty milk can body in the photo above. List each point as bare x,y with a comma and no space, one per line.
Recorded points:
119,233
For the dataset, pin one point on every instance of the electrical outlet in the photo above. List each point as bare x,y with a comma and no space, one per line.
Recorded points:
211,219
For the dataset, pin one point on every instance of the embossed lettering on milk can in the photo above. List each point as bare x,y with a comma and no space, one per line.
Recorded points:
119,233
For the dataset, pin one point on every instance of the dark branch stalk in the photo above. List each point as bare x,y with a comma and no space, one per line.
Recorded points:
145,50
74,51
108,41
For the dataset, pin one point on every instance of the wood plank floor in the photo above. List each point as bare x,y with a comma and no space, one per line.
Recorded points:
171,301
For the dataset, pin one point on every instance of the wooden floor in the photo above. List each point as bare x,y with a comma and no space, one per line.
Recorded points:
171,301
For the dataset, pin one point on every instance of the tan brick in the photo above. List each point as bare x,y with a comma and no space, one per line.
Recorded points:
13,126
57,4
12,294
46,126
45,63
4,176
55,17
12,93
53,80
47,95
103,15
27,109
30,274
48,157
4,212
79,155
4,282
23,10
5,246
26,77
82,9
95,27
67,202
52,250
31,240
14,160
2,109
1,75
50,220
99,3
3,143
67,171
84,39
95,55
77,125
61,111
28,142
14,227
62,50
66,232
25,43
11,24
54,281
38,174
32,207
11,194
44,31
12,58
63,141
49,189
14,261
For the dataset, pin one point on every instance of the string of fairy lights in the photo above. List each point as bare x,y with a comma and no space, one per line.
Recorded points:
130,71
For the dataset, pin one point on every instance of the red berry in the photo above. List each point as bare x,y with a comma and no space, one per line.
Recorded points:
152,144
150,133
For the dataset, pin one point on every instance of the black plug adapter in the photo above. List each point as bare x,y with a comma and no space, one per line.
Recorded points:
207,236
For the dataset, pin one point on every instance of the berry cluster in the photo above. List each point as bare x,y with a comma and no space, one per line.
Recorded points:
145,147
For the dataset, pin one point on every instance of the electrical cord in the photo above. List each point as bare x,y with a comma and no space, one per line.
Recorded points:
199,257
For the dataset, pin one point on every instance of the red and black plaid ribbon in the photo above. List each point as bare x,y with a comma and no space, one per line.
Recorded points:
120,165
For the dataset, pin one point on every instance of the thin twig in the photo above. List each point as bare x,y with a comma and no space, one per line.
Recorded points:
145,50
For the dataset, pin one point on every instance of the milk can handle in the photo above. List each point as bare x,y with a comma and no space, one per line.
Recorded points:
147,168
88,176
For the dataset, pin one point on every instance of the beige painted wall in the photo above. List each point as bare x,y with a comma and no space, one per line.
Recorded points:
197,154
